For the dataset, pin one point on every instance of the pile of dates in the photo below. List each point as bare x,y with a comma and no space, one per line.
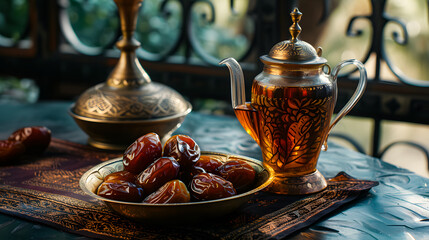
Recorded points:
27,140
177,173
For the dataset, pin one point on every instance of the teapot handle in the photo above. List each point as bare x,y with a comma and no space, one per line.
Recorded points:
353,100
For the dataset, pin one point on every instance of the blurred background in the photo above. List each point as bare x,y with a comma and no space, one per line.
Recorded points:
56,49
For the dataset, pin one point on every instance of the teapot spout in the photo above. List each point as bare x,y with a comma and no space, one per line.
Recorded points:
238,96
246,114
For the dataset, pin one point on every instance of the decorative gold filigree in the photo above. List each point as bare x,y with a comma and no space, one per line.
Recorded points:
293,51
293,129
156,101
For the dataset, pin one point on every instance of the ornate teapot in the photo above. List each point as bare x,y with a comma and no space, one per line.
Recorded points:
290,112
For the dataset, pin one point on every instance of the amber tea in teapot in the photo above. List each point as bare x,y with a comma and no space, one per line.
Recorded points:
294,129
290,112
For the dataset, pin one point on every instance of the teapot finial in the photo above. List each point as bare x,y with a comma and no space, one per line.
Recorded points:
295,29
293,51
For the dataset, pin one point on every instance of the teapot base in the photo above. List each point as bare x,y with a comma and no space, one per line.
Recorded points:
300,185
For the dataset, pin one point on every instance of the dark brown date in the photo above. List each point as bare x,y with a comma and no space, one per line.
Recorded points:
144,151
36,139
186,176
208,186
174,191
184,149
121,190
121,175
209,164
239,173
197,170
158,173
10,150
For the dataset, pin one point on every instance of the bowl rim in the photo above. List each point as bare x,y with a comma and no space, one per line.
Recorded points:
124,121
96,168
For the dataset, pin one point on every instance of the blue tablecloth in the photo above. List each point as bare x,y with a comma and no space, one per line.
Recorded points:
396,209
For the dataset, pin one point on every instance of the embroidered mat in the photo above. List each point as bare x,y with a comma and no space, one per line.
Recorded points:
46,190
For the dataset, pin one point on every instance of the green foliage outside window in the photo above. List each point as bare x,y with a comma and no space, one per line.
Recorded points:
13,19
159,29
94,21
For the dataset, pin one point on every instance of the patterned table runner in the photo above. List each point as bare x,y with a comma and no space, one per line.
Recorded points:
46,190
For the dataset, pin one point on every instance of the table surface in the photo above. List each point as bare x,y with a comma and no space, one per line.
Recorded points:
396,209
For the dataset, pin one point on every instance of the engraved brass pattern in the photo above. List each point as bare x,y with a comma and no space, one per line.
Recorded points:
293,130
156,101
299,51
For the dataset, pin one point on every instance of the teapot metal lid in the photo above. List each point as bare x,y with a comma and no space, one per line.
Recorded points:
294,51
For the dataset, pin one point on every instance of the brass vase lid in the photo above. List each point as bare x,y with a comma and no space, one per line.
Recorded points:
294,51
129,93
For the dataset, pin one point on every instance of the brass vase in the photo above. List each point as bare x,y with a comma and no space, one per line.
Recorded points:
129,104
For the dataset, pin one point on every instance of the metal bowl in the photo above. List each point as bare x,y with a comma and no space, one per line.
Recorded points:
177,212
119,134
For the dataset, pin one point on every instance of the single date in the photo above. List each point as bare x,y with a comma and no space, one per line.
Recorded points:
158,173
121,190
36,139
140,154
208,186
239,173
184,149
174,191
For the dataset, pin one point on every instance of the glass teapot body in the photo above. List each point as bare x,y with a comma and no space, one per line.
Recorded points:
290,112
289,117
